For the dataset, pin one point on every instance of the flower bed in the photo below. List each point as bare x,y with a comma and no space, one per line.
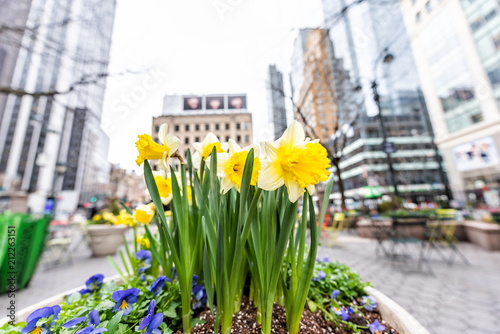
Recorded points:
236,242
336,302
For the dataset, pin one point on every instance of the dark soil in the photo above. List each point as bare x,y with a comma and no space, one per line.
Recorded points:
311,323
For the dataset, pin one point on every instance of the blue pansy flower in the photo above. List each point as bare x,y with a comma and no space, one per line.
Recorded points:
376,327
42,313
200,296
350,310
321,276
335,294
158,285
342,312
125,299
149,316
94,283
369,303
93,322
144,257
154,324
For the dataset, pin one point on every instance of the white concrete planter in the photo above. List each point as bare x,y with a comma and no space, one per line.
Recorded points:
105,239
395,315
391,312
485,235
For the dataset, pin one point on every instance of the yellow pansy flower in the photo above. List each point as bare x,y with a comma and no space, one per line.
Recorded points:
143,241
97,217
125,218
230,166
204,149
109,217
145,213
294,161
150,150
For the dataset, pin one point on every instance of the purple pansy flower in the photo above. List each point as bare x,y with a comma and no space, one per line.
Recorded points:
325,260
342,312
125,299
321,276
93,322
158,285
41,313
144,257
154,324
94,283
335,294
149,316
376,327
369,303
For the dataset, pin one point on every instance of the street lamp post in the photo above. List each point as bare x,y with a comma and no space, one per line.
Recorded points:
376,98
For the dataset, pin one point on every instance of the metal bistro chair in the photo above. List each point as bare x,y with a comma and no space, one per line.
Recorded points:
57,246
442,234
401,238
331,233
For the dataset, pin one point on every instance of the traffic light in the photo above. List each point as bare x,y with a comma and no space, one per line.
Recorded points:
93,199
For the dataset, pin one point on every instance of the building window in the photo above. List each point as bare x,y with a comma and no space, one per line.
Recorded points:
247,139
238,138
428,7
176,128
227,126
207,126
247,126
197,127
227,138
419,17
157,128
186,140
155,167
187,127
496,41
494,76
217,127
238,126
197,139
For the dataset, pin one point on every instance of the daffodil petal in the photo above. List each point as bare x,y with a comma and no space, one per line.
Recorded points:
294,134
270,150
162,133
226,185
310,189
196,158
233,147
224,146
173,143
294,191
197,147
209,138
270,178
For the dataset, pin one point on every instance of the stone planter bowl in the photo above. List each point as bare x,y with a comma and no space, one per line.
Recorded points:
391,312
105,239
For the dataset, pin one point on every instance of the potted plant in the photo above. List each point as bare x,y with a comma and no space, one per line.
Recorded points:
106,231
230,257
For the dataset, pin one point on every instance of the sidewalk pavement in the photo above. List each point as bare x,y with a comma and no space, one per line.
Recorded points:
457,299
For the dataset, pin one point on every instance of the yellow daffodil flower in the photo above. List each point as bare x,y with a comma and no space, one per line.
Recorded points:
145,213
143,241
164,184
230,166
204,149
126,219
96,217
150,150
109,217
294,161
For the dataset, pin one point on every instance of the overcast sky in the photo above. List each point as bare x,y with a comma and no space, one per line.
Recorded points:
195,47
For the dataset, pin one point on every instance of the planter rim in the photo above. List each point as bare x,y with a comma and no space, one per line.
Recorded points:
106,227
391,312
23,314
395,315
482,225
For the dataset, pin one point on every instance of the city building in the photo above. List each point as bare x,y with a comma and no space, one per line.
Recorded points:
316,102
371,46
51,143
276,101
127,186
191,118
457,51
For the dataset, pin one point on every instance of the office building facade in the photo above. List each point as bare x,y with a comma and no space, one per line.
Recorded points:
457,49
63,49
276,101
